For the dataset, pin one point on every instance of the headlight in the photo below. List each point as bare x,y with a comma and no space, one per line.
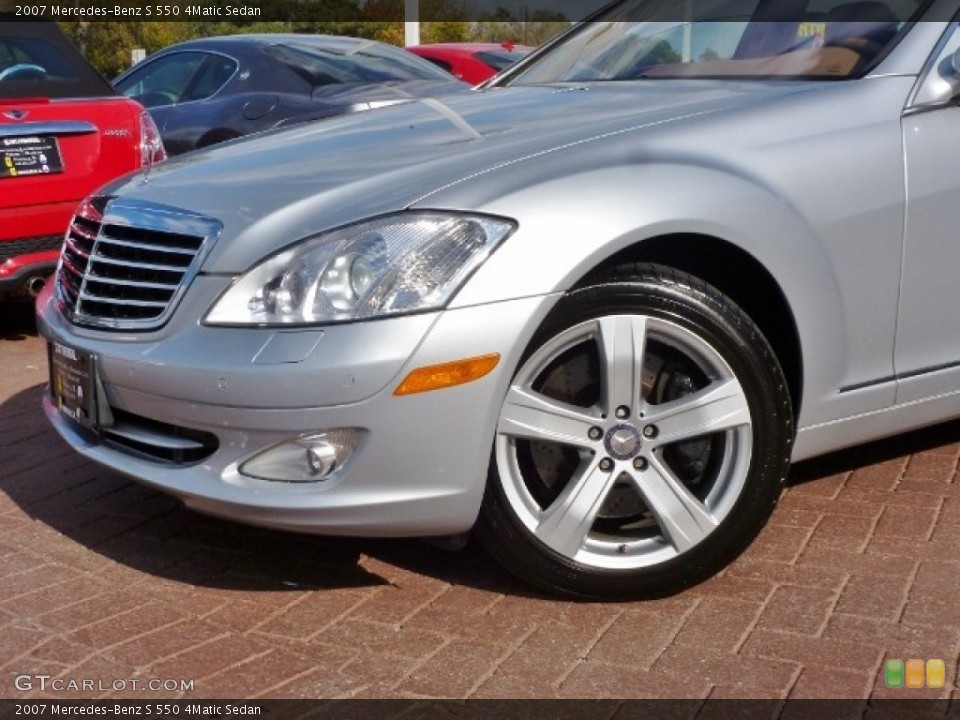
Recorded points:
393,265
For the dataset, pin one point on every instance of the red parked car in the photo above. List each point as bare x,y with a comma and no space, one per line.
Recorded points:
472,62
64,131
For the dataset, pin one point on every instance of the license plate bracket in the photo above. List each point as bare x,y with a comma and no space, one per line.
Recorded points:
73,383
29,156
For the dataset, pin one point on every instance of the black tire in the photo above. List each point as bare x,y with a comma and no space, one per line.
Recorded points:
696,344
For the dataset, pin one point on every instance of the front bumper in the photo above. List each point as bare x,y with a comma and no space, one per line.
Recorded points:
421,467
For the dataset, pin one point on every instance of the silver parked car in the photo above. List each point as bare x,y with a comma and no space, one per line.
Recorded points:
591,312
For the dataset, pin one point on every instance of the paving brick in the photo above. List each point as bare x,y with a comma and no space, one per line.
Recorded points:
26,582
90,611
155,646
602,680
404,641
801,610
646,634
909,522
718,624
900,639
848,503
827,486
117,628
879,477
796,517
933,611
779,543
875,561
541,662
763,677
210,658
831,683
393,605
58,649
751,590
377,674
874,596
844,532
493,629
260,676
817,652
802,574
950,513
895,499
57,597
309,614
930,467
15,562
19,641
454,670
544,610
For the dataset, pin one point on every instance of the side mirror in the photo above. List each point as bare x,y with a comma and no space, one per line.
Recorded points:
941,86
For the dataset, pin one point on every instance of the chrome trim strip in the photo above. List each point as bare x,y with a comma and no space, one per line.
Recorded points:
59,127
106,239
137,265
147,216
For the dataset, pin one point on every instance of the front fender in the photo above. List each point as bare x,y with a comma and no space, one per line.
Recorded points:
571,224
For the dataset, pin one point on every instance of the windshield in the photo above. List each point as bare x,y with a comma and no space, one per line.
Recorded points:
332,63
650,39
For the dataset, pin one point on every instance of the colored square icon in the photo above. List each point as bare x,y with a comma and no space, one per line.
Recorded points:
915,669
894,673
936,674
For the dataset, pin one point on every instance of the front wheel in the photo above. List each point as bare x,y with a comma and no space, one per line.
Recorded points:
642,443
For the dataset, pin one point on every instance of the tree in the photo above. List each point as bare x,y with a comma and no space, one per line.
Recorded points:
444,32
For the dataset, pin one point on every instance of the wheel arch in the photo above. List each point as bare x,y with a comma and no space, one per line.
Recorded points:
739,276
217,135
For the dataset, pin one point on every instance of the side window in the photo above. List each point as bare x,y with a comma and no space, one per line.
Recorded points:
442,64
32,59
214,74
163,81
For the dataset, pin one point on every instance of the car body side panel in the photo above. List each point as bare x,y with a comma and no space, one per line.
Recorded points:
928,337
833,243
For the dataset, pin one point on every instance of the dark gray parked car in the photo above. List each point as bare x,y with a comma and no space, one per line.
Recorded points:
206,91
592,311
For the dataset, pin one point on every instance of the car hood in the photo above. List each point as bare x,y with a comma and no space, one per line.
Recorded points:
273,189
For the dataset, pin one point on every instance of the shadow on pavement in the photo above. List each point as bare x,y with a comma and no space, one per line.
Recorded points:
115,518
876,452
107,514
17,320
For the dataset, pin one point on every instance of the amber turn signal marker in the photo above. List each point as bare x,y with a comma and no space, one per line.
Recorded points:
459,372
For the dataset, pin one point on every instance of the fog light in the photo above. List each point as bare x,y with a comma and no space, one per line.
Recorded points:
307,459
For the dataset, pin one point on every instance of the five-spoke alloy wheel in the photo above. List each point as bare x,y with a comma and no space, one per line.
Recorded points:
643,440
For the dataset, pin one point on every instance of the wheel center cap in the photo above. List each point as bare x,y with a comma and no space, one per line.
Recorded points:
622,442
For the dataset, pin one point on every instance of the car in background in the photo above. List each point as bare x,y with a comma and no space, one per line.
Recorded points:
205,91
64,131
472,62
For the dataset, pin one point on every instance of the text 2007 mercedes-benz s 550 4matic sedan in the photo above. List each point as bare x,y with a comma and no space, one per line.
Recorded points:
591,311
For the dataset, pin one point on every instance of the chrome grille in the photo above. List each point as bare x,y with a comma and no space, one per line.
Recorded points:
125,263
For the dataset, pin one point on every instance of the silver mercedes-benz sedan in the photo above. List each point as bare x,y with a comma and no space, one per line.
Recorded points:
591,311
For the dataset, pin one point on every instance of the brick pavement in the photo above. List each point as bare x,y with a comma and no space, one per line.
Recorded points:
100,578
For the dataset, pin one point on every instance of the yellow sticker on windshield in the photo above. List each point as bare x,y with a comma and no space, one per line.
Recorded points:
814,31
